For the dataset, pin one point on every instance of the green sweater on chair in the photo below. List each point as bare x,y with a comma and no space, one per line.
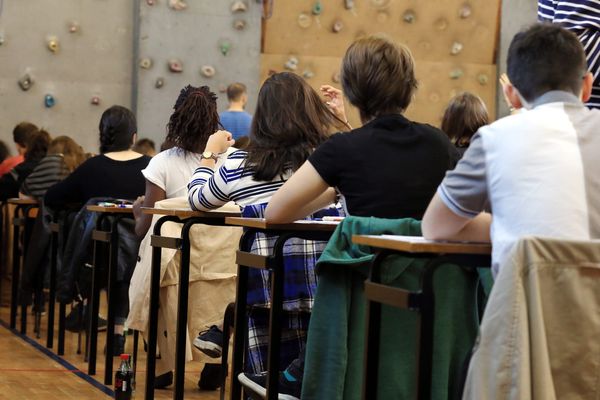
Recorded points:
336,337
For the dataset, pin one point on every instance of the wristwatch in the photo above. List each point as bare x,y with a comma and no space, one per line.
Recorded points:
209,155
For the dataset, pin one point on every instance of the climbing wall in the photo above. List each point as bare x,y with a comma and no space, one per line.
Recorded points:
453,42
62,63
210,43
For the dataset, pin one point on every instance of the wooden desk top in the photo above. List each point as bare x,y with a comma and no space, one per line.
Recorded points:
302,225
187,213
111,210
418,244
23,202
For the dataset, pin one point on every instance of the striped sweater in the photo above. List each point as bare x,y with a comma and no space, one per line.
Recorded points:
50,170
583,18
210,189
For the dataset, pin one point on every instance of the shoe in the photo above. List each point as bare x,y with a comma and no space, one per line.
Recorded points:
257,383
210,377
210,342
164,380
75,323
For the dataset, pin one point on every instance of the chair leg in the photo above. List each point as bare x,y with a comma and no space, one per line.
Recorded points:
228,321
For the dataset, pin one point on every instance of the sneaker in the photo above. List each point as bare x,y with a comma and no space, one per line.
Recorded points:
257,383
210,377
164,380
210,342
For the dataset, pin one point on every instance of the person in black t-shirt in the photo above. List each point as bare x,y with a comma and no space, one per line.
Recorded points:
388,168
116,173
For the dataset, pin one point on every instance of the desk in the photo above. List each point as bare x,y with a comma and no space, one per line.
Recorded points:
188,218
23,207
464,254
305,229
112,238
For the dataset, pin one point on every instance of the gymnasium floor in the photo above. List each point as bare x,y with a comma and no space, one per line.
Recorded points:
30,371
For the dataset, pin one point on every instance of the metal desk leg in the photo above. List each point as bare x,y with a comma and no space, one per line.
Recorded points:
16,260
94,306
241,323
26,235
54,227
112,280
62,311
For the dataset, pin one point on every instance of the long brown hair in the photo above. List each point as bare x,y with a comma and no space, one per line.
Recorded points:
194,119
72,153
290,121
465,114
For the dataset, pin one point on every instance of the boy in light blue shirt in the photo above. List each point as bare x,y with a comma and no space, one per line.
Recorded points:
235,119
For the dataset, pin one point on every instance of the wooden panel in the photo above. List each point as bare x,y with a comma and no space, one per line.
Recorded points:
417,244
436,86
183,213
437,25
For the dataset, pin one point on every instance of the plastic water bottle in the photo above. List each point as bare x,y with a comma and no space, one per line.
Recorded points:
124,379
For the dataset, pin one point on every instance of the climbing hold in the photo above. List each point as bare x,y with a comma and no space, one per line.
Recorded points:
74,27
317,8
2,38
337,26
222,88
146,63
304,20
465,11
225,47
239,6
95,100
53,44
25,82
434,97
208,71
307,74
239,24
291,63
177,5
456,48
441,24
409,16
380,4
482,79
160,82
456,73
175,65
49,101
349,4
336,78
150,2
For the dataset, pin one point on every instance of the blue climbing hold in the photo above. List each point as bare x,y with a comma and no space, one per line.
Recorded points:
49,101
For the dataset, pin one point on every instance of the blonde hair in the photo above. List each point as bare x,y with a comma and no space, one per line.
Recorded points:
72,153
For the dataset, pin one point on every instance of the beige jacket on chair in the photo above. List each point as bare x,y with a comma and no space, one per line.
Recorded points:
540,334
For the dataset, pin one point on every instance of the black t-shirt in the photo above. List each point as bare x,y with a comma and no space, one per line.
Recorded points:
389,168
100,176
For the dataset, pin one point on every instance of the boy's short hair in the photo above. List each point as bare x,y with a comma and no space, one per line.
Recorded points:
546,57
378,76
145,146
22,133
235,91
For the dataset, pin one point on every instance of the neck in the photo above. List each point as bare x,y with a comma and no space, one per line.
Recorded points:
236,106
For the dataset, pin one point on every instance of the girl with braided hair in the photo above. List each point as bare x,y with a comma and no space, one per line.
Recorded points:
193,121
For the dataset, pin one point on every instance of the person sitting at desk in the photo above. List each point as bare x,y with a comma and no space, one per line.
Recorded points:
115,173
290,121
388,168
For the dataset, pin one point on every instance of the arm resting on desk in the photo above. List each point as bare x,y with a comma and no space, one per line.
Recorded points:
303,194
440,223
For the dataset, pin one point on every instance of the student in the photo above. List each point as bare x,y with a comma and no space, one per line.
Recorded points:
290,121
193,120
36,148
4,151
582,17
115,173
235,119
465,114
388,168
21,134
63,157
538,168
145,146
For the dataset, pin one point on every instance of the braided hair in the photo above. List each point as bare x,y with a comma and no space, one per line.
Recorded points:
194,119
117,127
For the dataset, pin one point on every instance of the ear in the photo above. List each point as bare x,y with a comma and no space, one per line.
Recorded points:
512,95
586,89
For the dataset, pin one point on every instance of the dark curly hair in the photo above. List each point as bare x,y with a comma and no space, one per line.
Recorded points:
194,119
117,127
290,121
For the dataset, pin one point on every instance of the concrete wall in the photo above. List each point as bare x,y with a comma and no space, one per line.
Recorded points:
516,14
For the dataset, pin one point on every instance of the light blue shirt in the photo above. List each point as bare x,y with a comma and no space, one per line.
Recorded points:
236,122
